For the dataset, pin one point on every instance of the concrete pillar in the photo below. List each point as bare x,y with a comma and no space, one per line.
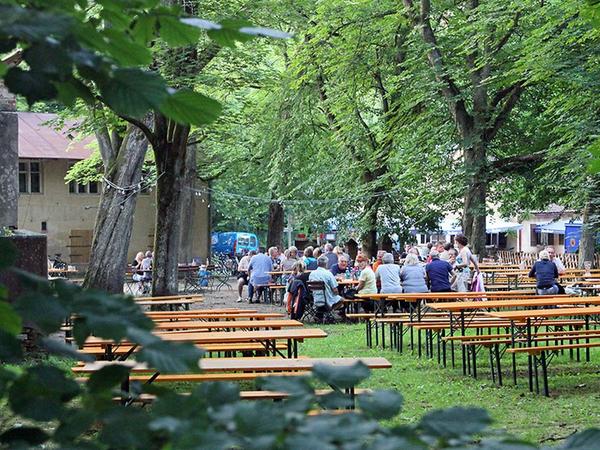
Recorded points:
9,160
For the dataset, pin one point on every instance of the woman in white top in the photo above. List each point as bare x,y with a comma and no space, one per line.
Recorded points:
463,261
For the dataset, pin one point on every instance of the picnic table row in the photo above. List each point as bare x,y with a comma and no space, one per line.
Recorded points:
538,327
267,341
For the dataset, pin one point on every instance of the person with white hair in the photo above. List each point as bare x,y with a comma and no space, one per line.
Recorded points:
545,273
438,273
556,260
412,275
330,296
388,275
291,258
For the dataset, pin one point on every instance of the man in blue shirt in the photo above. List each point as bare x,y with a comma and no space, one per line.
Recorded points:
340,267
260,264
438,273
545,272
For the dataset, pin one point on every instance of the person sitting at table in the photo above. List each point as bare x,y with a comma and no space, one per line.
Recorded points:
309,259
378,260
332,258
136,265
545,273
317,252
367,282
260,265
291,258
275,257
388,275
242,274
445,253
412,276
438,273
340,268
330,297
556,260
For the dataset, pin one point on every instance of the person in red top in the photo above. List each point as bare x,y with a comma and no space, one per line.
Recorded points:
379,261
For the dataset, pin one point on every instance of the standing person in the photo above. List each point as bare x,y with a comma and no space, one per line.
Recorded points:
259,265
556,260
438,273
242,274
309,259
463,261
332,258
545,273
378,259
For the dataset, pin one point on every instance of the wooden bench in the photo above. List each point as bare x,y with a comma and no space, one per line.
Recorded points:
272,324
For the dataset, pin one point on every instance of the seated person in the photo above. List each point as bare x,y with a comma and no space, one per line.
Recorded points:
438,273
388,276
340,268
291,258
378,260
136,265
367,283
330,297
309,259
242,273
413,275
297,292
260,265
545,273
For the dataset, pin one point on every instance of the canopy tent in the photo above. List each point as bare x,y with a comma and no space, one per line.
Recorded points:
493,225
557,227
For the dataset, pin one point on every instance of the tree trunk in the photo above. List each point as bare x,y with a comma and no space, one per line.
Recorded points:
170,155
114,220
475,213
386,243
591,223
187,208
276,225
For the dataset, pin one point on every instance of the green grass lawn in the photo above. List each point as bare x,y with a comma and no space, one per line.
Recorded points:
574,387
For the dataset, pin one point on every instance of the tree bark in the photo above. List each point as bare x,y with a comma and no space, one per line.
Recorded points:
170,155
591,223
369,238
187,208
276,225
114,221
474,213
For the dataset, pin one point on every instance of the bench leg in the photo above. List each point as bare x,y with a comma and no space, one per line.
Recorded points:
545,373
498,368
492,371
473,350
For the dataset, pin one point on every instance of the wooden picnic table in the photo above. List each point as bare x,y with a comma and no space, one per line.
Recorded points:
228,324
267,337
184,303
181,315
526,319
542,300
347,282
170,297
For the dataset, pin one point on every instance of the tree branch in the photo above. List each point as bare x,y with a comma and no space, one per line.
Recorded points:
449,88
517,163
105,146
508,34
382,92
505,111
370,135
152,139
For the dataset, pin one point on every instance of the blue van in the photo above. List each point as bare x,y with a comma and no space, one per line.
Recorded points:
233,243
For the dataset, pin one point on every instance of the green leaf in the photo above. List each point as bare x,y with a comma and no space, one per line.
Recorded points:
144,28
24,435
107,378
177,33
585,440
380,404
29,24
126,51
455,422
34,86
50,58
43,310
68,92
74,423
81,331
229,33
10,321
188,107
10,348
132,92
170,357
56,347
291,385
265,32
135,435
341,377
41,392
3,69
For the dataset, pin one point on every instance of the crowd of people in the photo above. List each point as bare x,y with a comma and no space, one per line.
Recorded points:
439,267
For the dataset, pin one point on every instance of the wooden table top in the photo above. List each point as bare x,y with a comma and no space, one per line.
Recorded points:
280,272
170,297
168,302
168,314
345,282
544,313
255,364
216,337
199,325
448,295
537,301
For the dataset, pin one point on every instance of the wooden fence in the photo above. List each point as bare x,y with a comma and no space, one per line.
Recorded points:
570,260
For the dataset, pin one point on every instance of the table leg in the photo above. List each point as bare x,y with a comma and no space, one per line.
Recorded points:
529,357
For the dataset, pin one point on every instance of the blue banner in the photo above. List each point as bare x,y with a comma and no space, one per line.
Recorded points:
572,237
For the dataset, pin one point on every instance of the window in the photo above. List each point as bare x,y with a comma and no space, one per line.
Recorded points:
561,239
252,241
87,188
536,236
30,177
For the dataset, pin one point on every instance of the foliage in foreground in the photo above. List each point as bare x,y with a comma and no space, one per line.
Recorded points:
51,407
